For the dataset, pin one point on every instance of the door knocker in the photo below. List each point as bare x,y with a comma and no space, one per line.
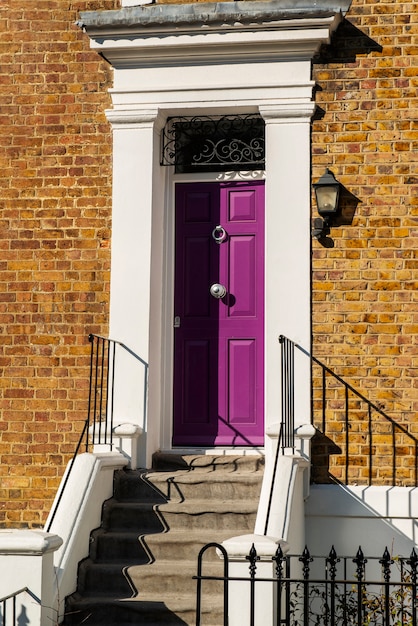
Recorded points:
219,234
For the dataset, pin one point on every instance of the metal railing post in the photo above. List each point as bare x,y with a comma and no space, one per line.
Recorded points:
288,390
306,559
252,558
199,579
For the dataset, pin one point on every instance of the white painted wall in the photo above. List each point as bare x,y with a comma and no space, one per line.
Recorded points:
282,509
26,560
370,517
90,483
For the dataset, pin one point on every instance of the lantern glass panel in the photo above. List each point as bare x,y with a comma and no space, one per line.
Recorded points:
327,199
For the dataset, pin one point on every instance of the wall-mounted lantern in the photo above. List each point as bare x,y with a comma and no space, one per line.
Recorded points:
327,193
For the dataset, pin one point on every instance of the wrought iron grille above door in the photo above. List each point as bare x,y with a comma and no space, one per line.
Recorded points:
208,144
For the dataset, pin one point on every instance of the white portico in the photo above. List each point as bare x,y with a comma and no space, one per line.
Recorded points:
212,59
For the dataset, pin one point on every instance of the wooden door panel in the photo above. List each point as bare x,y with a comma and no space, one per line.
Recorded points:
242,381
196,368
242,276
196,269
219,346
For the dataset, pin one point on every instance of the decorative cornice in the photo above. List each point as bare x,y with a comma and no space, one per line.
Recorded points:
166,34
285,112
132,118
130,20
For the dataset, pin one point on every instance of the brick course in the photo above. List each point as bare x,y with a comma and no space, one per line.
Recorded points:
55,181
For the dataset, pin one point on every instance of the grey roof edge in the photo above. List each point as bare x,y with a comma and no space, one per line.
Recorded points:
246,11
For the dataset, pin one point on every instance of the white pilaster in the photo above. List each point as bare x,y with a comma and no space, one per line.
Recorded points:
136,257
288,250
26,560
239,609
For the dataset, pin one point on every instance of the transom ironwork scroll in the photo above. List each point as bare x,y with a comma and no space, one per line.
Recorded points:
208,144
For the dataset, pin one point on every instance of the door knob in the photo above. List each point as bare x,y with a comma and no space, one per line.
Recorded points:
217,291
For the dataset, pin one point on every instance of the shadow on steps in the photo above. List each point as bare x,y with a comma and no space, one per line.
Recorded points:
124,612
143,558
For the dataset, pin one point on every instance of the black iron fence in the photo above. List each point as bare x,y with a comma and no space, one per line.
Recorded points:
304,590
367,443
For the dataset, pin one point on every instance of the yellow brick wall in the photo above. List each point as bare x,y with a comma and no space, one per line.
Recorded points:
55,189
365,303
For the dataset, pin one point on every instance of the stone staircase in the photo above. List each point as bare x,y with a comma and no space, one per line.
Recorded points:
143,557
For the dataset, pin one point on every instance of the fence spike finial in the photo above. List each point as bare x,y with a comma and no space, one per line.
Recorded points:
305,559
252,557
279,551
386,562
278,558
360,561
413,563
413,559
332,561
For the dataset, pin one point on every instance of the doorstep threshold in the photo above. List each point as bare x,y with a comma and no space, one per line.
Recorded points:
221,451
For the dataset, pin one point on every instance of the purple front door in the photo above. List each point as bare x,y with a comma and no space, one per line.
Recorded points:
218,342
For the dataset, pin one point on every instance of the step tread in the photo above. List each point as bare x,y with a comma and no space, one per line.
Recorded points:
196,478
171,568
98,599
206,505
188,506
186,602
149,571
200,476
173,602
174,535
162,488
205,462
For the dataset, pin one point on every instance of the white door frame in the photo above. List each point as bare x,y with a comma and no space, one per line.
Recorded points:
168,347
142,247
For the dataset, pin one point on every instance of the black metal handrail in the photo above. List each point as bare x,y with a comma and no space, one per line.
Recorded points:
286,435
98,427
279,449
200,579
12,599
103,367
331,590
288,387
